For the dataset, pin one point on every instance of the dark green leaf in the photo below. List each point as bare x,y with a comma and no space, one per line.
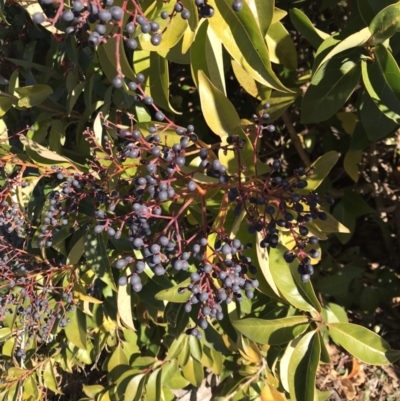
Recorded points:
385,24
97,258
363,343
375,123
330,88
303,24
380,91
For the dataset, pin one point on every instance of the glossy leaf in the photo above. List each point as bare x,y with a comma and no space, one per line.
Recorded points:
153,386
303,367
118,363
193,371
49,377
375,123
134,389
321,168
351,162
76,328
31,96
206,42
385,24
330,88
281,47
263,12
193,22
269,393
274,332
243,40
380,91
245,80
356,39
219,112
288,286
172,295
124,305
363,343
389,68
303,24
158,87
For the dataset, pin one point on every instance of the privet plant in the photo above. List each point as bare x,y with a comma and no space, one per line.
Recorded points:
134,241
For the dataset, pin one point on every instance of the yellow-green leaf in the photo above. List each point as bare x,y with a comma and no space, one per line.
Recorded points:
242,38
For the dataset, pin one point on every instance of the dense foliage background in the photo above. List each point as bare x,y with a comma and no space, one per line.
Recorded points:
199,196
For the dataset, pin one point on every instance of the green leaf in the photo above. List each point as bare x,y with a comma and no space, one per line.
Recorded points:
321,168
134,389
380,91
118,363
193,23
242,39
351,162
375,123
363,343
75,330
49,377
4,333
385,24
303,367
246,81
303,24
106,52
389,67
289,288
207,43
124,305
153,386
193,371
33,95
218,111
172,295
330,88
279,103
74,95
281,47
356,39
5,104
274,332
42,155
92,390
158,87
263,12
284,363
97,258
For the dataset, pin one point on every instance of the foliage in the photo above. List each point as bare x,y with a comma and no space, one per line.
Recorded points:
143,234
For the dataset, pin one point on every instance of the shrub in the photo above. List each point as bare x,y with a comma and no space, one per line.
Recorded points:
159,245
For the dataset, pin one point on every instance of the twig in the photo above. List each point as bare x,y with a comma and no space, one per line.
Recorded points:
295,138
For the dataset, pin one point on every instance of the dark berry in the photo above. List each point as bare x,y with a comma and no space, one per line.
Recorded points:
237,5
155,39
117,82
131,44
185,14
130,27
38,17
117,13
206,11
